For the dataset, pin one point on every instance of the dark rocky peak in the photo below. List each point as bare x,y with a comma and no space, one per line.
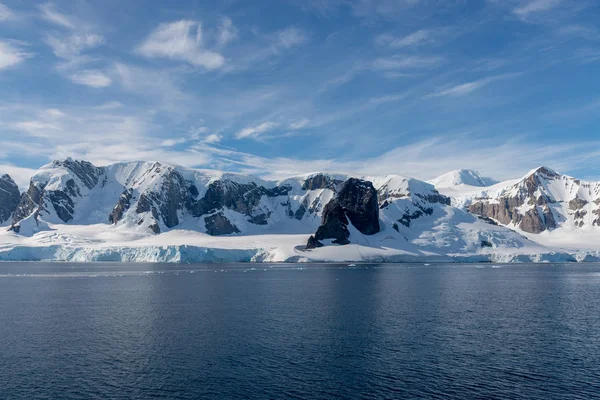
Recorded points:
9,197
358,198
87,173
545,172
29,203
321,181
356,203
6,177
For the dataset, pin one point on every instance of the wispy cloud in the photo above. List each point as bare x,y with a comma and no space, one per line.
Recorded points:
92,78
11,54
418,38
290,37
51,14
177,41
466,88
402,62
227,32
299,124
155,86
255,131
6,14
535,6
70,47
425,159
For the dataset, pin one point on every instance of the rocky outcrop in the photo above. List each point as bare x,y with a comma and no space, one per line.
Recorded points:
240,197
9,198
356,203
577,203
218,224
358,198
531,192
334,224
321,181
121,207
169,200
313,243
29,203
502,211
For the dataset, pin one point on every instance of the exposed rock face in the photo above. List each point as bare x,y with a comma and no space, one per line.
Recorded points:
168,201
87,173
358,198
218,224
356,202
122,206
408,217
62,203
531,192
28,204
501,211
320,181
9,197
334,224
577,203
243,198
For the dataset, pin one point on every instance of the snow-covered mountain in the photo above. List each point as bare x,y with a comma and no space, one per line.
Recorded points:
543,200
151,211
461,177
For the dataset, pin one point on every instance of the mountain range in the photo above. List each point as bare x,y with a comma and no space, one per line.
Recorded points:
152,211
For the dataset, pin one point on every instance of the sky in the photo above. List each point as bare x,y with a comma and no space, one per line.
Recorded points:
284,87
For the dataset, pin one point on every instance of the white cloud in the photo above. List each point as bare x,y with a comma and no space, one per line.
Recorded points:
227,32
6,13
92,78
426,159
158,86
71,46
299,124
419,37
213,138
54,113
37,128
466,88
49,13
11,55
173,142
174,41
255,131
291,37
535,6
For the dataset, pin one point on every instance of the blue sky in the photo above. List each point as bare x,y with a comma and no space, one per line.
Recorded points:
276,88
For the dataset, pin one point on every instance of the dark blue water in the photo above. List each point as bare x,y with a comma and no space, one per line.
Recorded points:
379,331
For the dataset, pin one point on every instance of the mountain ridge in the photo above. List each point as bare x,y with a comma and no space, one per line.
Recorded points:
396,217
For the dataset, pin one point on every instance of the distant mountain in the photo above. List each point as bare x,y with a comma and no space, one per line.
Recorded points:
543,200
461,177
152,211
